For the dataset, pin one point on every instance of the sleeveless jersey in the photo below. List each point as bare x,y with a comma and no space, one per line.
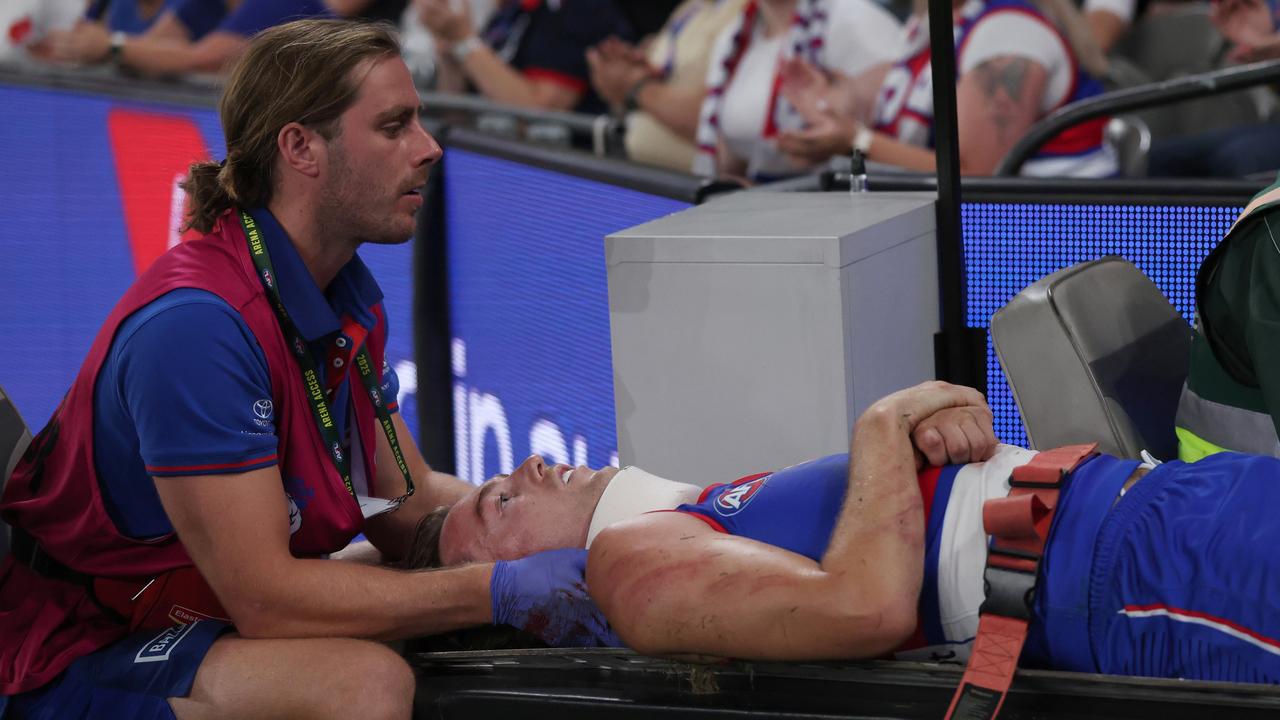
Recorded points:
797,508
904,105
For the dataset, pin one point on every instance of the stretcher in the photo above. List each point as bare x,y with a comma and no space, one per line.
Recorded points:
560,684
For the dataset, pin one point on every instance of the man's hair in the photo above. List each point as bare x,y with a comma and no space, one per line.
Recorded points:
424,547
298,72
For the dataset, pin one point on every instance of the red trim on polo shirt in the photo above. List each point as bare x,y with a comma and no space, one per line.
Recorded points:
213,466
565,80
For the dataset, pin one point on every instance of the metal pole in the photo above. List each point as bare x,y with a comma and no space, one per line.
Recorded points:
959,352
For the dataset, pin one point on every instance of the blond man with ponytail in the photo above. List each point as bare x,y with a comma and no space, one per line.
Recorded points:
234,424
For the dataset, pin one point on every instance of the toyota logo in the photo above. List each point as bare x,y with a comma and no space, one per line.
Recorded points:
263,409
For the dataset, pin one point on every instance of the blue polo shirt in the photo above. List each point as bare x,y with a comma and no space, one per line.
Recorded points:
122,15
548,40
185,389
251,17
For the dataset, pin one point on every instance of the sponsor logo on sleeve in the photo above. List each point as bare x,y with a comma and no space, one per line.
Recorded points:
262,413
733,500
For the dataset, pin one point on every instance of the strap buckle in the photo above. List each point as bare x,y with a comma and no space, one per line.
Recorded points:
1010,593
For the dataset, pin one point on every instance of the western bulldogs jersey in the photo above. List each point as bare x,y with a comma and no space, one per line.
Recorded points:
797,508
904,106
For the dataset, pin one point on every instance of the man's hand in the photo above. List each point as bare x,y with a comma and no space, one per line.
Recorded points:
912,406
87,42
546,595
615,68
447,25
1246,23
955,436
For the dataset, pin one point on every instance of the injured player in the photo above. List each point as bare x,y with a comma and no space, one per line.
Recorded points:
1167,571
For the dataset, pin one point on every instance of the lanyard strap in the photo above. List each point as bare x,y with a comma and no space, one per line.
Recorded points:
311,373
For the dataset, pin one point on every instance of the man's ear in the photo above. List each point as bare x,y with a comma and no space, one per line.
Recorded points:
301,149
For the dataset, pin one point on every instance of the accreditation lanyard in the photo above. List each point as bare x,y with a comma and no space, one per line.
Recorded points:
311,373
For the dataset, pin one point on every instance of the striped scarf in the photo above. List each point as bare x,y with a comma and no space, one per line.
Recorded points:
808,27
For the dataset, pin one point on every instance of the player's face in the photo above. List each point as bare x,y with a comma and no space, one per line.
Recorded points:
380,158
537,507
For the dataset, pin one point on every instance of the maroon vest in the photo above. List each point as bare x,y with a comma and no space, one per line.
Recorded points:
54,495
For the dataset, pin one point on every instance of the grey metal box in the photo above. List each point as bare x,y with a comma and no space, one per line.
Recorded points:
750,332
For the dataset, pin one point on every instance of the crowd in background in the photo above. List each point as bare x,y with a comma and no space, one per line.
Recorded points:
762,89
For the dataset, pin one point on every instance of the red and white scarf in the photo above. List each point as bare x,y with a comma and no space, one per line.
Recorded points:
805,40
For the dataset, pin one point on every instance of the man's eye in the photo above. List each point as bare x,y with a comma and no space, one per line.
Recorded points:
392,130
503,499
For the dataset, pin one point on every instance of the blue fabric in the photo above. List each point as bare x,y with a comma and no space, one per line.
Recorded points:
554,39
131,679
930,607
1227,152
1186,576
185,389
122,15
1059,633
253,16
795,509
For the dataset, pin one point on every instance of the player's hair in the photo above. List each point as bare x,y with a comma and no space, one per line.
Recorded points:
298,72
424,548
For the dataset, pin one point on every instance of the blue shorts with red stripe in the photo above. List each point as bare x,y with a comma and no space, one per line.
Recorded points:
1185,578
130,680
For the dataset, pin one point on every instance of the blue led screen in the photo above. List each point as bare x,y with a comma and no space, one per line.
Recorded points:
89,188
529,311
1009,246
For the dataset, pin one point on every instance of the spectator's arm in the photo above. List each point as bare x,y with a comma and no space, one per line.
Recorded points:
347,8
1106,27
996,103
500,82
164,56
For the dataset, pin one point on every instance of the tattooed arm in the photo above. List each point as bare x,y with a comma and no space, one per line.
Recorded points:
996,103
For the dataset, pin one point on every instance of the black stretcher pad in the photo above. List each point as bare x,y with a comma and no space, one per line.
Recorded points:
594,684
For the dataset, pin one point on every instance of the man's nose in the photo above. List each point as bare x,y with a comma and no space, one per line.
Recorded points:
533,468
427,150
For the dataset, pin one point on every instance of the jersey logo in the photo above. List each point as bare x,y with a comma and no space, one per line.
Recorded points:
733,500
161,647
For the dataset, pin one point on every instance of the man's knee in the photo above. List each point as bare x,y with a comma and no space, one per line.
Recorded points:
381,684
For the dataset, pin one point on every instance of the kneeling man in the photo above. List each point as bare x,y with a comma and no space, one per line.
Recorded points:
1165,571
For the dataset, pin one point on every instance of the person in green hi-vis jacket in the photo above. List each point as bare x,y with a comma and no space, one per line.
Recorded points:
1231,401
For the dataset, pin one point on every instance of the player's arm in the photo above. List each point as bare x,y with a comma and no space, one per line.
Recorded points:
669,584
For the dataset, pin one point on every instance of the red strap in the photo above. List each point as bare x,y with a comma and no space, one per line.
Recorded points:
1019,525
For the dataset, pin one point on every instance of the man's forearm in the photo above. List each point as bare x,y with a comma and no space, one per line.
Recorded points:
497,80
876,552
327,598
169,56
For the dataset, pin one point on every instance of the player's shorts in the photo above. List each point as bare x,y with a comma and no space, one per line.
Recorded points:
130,680
1185,578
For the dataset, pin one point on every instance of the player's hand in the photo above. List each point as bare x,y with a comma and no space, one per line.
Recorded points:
955,436
912,406
546,595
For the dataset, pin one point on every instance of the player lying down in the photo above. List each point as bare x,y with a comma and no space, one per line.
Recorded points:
1169,571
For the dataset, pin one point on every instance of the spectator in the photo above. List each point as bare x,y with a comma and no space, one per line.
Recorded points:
1014,65
661,89
419,46
128,16
191,36
1251,28
531,54
744,115
25,23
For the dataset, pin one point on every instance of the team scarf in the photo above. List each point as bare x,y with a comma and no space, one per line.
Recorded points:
805,40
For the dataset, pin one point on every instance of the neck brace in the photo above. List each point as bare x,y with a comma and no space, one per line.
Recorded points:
634,492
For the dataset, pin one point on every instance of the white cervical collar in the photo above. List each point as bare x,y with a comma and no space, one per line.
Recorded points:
635,492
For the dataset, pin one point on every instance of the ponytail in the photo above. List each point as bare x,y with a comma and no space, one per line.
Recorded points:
207,195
